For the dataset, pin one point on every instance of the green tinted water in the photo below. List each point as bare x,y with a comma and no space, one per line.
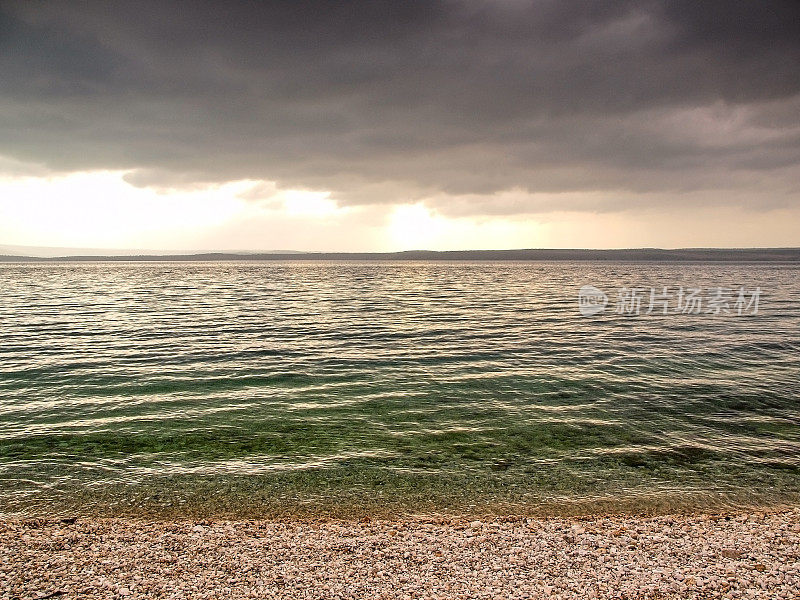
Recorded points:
255,389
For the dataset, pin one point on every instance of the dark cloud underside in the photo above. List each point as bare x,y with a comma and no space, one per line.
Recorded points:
388,101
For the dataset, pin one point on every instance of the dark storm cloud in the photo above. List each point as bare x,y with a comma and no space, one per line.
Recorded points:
388,101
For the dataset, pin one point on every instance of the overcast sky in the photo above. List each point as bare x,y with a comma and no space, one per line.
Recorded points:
398,125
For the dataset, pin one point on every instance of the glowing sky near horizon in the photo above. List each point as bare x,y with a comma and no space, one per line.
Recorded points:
101,210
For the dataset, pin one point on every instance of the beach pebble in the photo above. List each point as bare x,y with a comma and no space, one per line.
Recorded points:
673,557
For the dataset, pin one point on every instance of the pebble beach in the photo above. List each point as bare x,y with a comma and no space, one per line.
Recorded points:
744,555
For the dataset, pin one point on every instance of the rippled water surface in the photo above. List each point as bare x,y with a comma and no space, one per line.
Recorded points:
332,388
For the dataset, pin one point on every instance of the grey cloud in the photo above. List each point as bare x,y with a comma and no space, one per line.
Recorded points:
14,168
394,101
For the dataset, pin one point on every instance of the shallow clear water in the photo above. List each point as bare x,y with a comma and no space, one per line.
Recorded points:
344,388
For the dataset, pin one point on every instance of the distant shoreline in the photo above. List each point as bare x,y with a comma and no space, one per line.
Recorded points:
726,255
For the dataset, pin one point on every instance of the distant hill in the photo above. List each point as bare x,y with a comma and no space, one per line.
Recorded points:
735,255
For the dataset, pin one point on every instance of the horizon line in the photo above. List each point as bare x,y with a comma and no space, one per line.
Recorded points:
721,254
